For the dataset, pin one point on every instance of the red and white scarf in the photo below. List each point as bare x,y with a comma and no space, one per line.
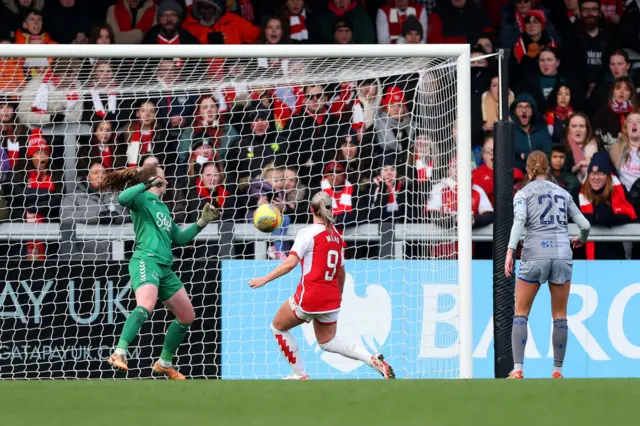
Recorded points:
341,202
619,205
140,144
298,27
40,104
98,106
204,192
622,109
13,147
105,154
423,169
392,203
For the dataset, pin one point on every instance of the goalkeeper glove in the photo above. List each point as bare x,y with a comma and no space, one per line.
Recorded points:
154,181
209,214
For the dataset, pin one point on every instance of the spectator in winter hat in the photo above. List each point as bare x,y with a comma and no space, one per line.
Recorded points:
393,125
603,202
129,29
524,59
211,22
412,32
512,21
169,28
392,19
346,10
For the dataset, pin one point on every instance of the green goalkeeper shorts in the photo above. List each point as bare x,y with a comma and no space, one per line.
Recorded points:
145,272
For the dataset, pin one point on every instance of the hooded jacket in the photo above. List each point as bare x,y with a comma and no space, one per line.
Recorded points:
537,138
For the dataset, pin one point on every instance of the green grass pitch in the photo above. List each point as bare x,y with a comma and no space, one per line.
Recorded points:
328,403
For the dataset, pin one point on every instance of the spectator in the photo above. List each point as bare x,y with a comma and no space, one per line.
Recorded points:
603,202
212,23
608,120
343,194
412,32
625,154
482,176
485,42
102,34
619,66
98,149
350,12
387,198
355,158
175,106
481,76
32,32
343,32
202,151
512,21
207,125
422,161
11,73
458,21
531,134
580,144
209,187
8,136
105,103
564,178
564,16
393,124
369,96
269,189
13,13
274,31
560,111
53,96
37,191
88,206
67,21
491,104
589,44
296,197
392,17
300,20
169,29
246,159
130,20
141,136
528,47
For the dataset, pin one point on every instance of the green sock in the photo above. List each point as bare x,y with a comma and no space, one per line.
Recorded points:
132,326
173,339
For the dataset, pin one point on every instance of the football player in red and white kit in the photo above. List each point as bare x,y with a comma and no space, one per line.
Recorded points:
319,249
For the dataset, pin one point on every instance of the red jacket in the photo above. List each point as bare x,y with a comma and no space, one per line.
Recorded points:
234,29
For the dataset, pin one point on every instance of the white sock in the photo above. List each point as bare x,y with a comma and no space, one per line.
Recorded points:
558,369
346,349
165,364
120,351
289,348
517,367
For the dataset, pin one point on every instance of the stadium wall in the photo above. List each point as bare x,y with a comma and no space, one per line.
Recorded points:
62,320
384,306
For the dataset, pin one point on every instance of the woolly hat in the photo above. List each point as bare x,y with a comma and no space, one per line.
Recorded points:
393,95
343,23
169,6
335,167
37,142
348,135
538,14
600,162
388,161
412,24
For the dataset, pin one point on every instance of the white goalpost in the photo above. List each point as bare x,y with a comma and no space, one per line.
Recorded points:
384,129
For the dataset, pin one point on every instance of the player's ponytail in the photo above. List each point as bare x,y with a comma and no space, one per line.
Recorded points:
119,179
537,165
321,208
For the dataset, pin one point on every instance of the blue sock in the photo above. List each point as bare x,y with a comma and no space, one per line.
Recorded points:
519,338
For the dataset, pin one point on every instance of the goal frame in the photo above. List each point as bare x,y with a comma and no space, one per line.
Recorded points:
459,52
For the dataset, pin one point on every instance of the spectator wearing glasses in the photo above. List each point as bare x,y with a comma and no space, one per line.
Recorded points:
512,21
169,29
607,122
531,134
131,20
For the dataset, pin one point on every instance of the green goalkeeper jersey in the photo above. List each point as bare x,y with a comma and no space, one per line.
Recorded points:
153,226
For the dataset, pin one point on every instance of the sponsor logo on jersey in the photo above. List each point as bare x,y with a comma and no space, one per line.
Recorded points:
163,222
363,320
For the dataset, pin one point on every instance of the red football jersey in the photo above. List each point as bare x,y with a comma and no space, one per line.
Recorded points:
321,255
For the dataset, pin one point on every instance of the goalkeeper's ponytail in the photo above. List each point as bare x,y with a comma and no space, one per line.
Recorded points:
119,179
321,208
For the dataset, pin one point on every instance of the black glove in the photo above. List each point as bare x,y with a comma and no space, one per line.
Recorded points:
215,38
154,181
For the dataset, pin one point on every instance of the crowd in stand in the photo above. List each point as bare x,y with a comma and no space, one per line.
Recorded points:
573,96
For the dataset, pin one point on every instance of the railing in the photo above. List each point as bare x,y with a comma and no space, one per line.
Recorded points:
390,237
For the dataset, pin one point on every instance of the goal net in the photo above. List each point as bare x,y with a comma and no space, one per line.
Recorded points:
236,127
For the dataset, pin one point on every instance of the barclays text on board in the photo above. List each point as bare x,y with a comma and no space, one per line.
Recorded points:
404,310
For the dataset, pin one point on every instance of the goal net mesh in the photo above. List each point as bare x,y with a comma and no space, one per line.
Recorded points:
377,134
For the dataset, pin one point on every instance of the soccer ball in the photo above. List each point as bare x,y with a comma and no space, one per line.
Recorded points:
267,218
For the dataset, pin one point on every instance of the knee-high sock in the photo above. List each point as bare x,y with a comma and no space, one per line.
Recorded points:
173,339
289,348
132,326
559,340
519,338
349,350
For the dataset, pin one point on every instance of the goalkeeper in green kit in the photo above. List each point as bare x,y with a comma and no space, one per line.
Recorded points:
150,266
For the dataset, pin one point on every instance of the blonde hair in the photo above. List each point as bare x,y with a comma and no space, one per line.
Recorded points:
624,138
321,207
537,165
